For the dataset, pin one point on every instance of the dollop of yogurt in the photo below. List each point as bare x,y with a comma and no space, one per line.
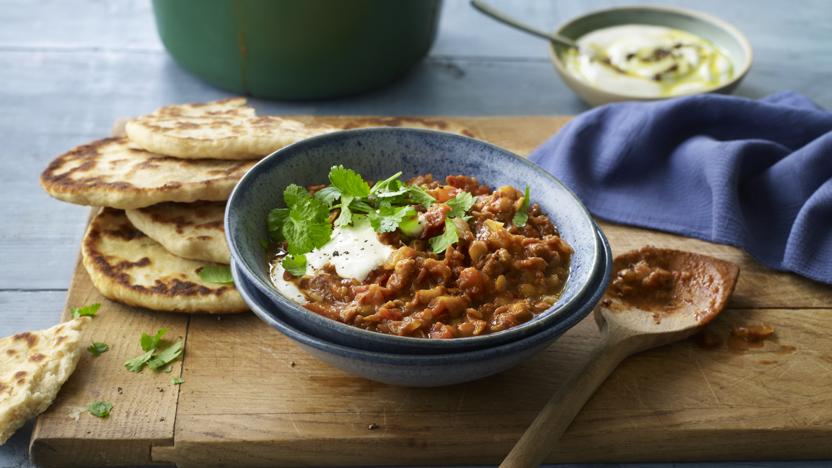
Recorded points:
648,61
354,251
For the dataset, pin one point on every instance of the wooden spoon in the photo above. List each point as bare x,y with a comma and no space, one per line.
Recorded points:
657,297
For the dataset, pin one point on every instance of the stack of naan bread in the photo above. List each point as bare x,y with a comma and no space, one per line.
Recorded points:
163,186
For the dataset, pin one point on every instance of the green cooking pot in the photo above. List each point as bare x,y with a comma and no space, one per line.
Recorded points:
297,49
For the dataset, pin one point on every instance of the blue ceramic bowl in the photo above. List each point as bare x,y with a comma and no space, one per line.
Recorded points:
425,370
377,153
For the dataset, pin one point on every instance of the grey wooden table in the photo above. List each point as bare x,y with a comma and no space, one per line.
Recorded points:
69,68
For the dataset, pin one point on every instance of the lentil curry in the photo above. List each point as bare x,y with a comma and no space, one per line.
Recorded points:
457,259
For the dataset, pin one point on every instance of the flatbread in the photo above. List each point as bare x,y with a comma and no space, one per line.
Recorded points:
218,130
110,172
127,266
189,230
33,366
408,122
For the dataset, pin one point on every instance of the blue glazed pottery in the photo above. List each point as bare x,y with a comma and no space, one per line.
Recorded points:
377,153
424,370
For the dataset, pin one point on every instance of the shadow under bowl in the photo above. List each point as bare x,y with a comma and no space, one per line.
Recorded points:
423,370
377,153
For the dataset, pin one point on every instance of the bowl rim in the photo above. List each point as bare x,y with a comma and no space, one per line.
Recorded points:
542,320
550,333
720,23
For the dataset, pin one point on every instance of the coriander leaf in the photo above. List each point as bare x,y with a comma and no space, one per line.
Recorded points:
418,195
151,342
275,222
304,236
522,215
100,409
360,206
167,355
460,204
387,218
137,363
96,348
220,274
348,182
328,195
441,242
177,381
345,218
309,209
389,187
293,193
86,311
295,264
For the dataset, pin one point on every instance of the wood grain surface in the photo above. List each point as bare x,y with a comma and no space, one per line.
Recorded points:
251,397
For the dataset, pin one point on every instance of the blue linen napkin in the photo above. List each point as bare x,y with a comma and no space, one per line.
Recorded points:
754,174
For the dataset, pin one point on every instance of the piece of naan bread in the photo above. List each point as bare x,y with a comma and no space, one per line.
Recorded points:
225,129
189,230
110,172
427,123
127,266
33,366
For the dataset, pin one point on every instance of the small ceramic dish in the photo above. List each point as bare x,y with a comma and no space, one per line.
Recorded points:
376,154
719,32
429,370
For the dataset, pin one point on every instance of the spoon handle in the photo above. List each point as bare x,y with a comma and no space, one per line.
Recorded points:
540,438
498,15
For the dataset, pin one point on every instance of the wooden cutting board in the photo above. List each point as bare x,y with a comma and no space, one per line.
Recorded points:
251,397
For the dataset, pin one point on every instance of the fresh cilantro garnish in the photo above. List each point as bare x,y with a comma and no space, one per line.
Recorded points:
294,193
137,363
96,349
151,342
177,381
416,195
389,187
100,409
387,218
86,311
153,357
345,217
275,221
167,355
441,242
460,204
303,224
360,206
522,215
220,274
348,182
295,264
328,195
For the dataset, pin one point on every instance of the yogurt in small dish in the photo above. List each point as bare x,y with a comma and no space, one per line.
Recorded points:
645,61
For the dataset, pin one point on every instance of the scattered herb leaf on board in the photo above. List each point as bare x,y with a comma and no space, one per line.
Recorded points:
100,409
97,349
86,311
153,357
